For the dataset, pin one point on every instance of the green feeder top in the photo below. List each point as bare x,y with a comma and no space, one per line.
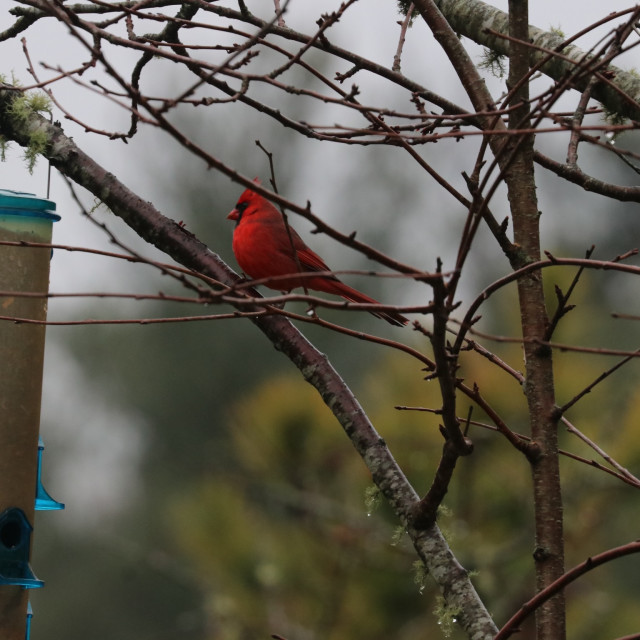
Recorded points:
18,203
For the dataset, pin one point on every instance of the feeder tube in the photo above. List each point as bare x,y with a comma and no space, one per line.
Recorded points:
22,269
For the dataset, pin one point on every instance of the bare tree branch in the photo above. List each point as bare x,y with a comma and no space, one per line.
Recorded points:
183,247
570,576
475,19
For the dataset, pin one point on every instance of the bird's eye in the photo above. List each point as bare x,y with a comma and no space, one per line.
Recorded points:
241,206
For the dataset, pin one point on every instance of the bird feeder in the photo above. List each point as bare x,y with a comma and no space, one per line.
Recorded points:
25,224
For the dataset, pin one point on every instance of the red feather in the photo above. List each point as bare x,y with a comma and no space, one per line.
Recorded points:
264,249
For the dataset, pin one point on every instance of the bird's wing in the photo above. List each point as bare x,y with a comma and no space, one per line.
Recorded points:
309,260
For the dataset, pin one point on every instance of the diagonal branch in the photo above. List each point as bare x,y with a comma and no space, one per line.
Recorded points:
314,366
512,626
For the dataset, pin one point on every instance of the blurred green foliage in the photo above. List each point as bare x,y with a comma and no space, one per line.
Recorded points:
285,544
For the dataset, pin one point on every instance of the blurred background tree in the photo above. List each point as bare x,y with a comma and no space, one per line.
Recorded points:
209,492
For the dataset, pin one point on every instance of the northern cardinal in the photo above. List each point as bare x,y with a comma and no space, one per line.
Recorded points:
264,249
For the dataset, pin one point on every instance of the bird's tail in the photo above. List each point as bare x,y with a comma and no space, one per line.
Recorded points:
353,295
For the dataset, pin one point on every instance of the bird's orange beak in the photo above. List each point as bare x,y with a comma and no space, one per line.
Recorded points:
234,215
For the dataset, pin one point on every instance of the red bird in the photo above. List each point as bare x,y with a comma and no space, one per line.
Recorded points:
264,249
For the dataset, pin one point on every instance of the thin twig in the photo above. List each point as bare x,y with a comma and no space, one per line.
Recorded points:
603,376
578,117
279,14
513,625
404,25
600,451
621,473
563,299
